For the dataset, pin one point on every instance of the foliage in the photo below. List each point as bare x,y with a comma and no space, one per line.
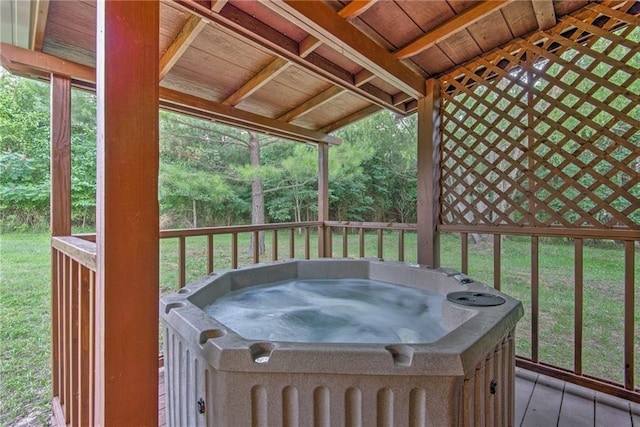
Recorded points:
24,151
206,173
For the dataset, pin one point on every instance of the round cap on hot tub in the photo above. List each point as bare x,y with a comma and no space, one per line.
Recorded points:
476,299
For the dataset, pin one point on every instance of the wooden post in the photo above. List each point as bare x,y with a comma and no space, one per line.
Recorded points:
429,138
60,156
323,200
60,210
127,239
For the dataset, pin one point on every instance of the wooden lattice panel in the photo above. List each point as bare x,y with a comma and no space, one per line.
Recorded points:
546,131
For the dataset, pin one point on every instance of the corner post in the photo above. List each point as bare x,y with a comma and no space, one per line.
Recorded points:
60,155
60,222
323,200
127,239
429,138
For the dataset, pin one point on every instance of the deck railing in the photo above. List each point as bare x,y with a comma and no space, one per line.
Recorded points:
73,299
234,250
73,310
341,237
535,361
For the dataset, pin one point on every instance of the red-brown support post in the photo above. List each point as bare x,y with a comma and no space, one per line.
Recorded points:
127,239
60,156
323,199
60,215
429,138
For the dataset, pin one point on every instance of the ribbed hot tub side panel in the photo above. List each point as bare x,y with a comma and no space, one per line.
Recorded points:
488,394
323,400
187,382
253,399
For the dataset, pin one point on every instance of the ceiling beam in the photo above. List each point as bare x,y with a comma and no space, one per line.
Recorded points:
39,24
453,26
179,45
189,104
26,61
318,19
13,57
217,5
356,8
263,37
263,77
311,104
308,45
545,13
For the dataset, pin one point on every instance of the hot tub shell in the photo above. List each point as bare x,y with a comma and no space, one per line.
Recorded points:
215,377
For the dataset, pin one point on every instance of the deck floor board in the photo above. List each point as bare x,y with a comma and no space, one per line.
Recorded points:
544,401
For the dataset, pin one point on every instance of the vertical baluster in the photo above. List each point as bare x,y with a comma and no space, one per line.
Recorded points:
234,250
578,305
182,268
55,319
464,253
256,247
292,243
74,329
345,243
380,243
84,335
361,241
629,301
307,245
534,299
92,345
210,264
401,245
274,245
497,249
67,339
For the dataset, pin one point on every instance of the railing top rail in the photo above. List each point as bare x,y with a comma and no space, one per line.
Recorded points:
585,233
166,234
81,250
373,225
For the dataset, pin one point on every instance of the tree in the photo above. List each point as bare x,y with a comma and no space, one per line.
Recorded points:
24,151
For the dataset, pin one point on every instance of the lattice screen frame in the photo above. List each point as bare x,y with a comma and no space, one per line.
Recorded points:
545,132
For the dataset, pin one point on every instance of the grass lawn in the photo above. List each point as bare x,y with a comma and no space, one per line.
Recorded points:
25,329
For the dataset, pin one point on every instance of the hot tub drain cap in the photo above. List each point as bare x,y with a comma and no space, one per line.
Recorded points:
475,299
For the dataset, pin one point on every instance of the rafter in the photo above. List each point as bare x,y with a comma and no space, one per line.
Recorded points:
356,8
263,77
319,20
179,45
28,61
308,45
39,24
312,104
259,35
201,107
453,26
545,13
217,5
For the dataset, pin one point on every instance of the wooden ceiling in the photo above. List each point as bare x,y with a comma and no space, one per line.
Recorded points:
305,67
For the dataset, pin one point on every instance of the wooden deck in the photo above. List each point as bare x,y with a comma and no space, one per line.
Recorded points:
544,401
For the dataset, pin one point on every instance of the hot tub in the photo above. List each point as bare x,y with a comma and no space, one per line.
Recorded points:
465,376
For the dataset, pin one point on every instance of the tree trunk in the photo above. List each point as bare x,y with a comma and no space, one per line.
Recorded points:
257,193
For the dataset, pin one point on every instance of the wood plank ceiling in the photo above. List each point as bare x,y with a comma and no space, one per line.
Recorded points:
298,68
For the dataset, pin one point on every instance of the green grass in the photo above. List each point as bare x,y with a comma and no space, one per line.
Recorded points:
25,389
25,329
